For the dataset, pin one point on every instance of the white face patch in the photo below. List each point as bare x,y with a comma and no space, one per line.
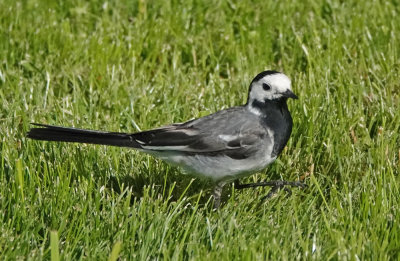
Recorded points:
278,83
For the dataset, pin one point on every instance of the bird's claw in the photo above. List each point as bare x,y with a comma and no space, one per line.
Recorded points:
279,184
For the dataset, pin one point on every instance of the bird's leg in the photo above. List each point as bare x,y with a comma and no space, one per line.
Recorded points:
217,194
275,184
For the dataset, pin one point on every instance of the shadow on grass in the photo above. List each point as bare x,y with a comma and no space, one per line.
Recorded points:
175,185
171,187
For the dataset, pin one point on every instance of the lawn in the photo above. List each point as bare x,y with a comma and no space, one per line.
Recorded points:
135,65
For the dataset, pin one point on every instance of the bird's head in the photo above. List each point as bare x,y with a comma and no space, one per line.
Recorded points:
270,86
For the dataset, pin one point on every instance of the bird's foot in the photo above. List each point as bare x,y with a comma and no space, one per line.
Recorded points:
275,184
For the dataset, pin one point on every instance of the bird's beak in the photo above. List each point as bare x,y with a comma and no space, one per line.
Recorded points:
290,94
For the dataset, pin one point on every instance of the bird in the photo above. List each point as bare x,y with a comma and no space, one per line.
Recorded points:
223,146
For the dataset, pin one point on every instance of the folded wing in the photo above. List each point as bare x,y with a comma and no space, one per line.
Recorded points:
218,133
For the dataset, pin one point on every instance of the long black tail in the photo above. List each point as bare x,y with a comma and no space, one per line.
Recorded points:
57,133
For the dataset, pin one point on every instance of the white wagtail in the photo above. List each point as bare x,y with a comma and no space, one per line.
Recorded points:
223,146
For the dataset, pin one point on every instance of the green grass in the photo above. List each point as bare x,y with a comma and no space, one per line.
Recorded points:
128,65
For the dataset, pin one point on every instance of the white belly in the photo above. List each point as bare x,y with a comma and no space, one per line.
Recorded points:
219,167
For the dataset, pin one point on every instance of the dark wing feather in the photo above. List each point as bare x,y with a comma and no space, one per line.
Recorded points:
166,137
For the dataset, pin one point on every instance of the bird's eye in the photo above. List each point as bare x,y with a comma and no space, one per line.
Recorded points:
266,87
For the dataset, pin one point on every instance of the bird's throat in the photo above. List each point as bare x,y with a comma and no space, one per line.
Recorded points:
264,108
